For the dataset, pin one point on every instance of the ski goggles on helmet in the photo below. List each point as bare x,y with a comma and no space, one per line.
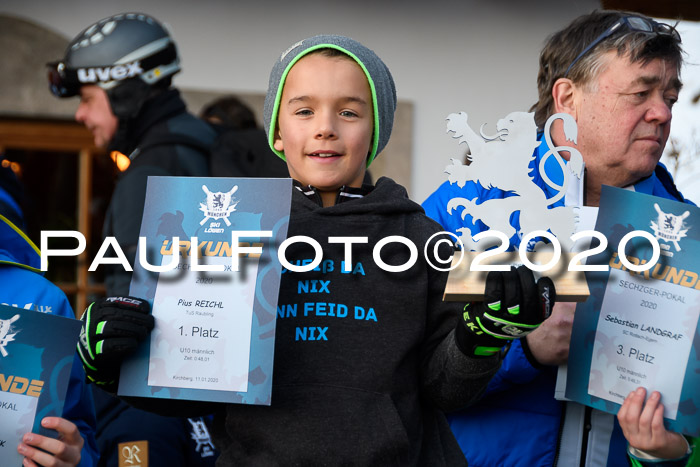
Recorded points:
63,82
633,24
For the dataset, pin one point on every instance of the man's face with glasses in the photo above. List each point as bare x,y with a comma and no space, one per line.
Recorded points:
624,118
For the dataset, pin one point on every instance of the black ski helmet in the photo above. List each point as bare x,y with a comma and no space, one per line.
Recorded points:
131,51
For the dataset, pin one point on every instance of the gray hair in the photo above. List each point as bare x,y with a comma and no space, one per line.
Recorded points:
562,48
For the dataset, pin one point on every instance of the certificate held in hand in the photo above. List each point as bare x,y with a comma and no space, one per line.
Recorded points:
37,351
212,274
640,325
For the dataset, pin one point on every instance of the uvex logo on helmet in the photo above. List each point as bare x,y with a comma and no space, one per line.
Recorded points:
109,73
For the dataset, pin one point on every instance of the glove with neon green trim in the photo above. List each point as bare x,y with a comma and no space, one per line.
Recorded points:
514,305
112,329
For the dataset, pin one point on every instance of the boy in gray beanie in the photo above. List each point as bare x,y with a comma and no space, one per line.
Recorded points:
365,361
381,85
367,355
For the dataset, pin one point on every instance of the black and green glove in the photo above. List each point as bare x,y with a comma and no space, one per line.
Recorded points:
112,329
514,305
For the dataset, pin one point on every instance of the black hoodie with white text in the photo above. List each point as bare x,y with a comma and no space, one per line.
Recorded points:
365,359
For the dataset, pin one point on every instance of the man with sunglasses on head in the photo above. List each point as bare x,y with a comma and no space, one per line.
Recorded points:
617,74
122,67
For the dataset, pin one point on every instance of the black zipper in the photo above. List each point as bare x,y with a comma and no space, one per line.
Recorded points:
586,430
560,434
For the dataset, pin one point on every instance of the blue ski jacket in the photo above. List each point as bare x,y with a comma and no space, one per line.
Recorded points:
518,422
22,285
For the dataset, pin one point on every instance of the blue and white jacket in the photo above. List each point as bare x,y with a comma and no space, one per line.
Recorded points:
518,422
22,285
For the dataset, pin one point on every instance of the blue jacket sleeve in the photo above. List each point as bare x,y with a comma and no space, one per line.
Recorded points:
515,369
80,410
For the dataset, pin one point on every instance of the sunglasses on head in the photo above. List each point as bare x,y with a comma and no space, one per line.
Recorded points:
633,23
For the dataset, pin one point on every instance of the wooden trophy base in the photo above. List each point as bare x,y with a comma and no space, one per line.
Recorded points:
464,285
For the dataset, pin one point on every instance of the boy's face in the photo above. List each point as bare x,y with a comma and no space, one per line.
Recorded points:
325,123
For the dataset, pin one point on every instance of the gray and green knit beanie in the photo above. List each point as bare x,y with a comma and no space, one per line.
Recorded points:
380,82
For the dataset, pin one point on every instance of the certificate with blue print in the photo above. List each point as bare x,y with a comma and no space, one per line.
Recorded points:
640,325
208,264
36,357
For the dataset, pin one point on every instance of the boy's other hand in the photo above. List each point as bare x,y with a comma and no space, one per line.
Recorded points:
42,450
514,305
112,329
549,343
643,426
